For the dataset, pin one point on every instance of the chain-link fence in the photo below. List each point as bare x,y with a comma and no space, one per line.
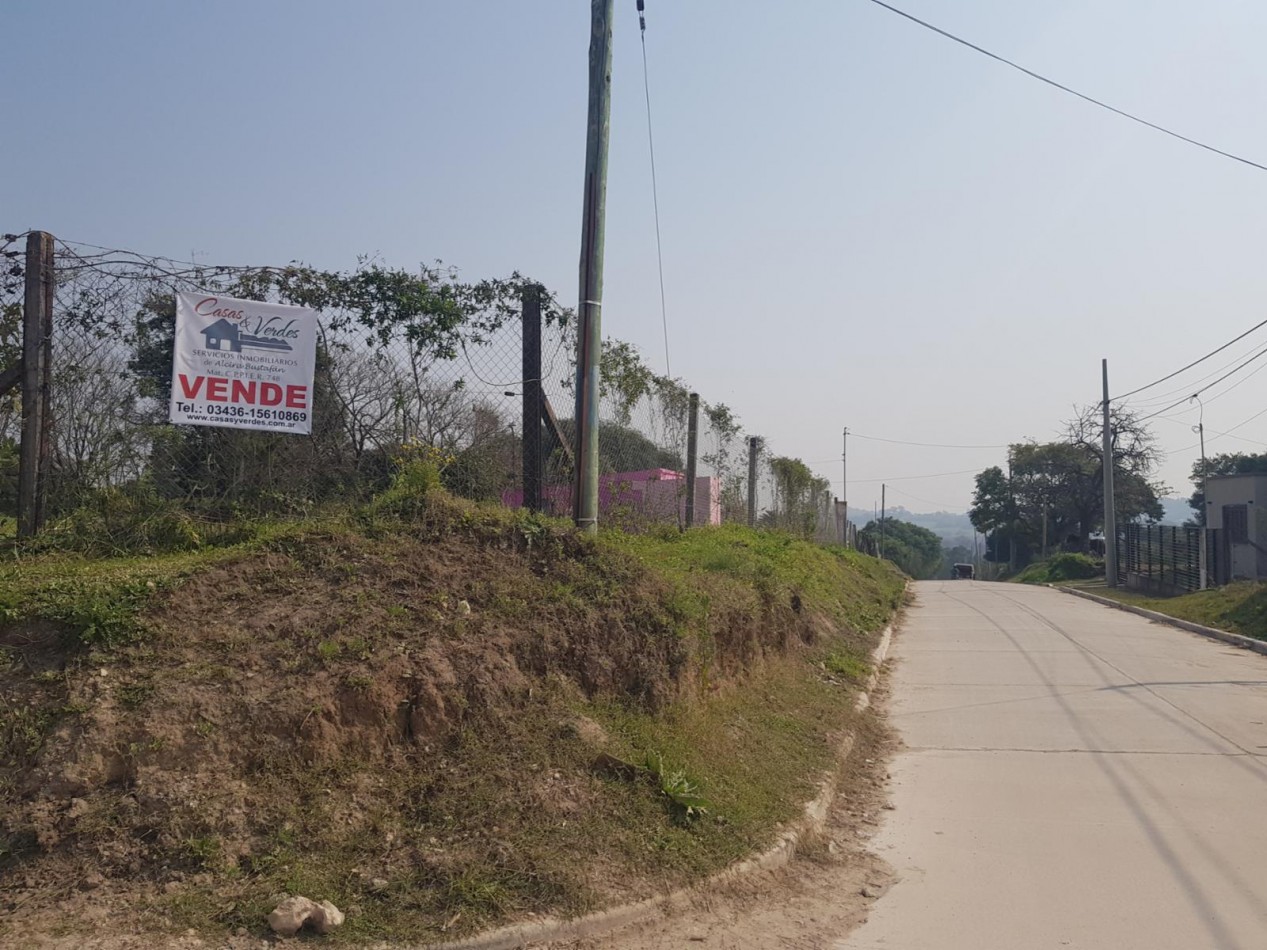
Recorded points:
406,361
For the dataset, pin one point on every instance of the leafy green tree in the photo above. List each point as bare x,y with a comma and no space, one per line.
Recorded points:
994,512
916,550
992,505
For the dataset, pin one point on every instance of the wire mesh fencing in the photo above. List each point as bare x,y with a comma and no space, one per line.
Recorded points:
407,362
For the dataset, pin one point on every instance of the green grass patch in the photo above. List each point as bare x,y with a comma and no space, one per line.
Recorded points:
840,582
99,601
1061,568
1237,608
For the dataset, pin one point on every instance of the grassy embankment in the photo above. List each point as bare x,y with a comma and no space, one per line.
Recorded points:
438,716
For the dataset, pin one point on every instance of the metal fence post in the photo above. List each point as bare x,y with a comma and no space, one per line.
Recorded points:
692,446
532,409
753,449
1203,557
36,340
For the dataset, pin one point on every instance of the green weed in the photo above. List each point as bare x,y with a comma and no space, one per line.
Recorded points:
22,733
686,804
134,695
847,665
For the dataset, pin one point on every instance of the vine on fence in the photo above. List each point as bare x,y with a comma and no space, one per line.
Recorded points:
405,358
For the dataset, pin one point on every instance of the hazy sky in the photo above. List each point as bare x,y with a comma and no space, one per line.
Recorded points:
864,224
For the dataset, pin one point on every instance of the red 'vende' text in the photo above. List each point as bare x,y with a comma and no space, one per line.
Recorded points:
252,393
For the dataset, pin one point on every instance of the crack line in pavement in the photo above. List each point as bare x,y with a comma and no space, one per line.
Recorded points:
993,702
1086,649
1190,886
952,748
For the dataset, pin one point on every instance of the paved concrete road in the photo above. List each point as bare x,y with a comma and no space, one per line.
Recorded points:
1075,776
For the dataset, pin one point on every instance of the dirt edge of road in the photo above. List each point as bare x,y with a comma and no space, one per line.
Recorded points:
803,834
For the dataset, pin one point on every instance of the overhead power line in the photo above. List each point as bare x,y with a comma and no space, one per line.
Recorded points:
655,191
909,478
924,445
1261,353
1150,402
1063,88
1184,369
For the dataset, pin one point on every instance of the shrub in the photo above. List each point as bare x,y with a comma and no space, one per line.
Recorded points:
1062,567
118,521
417,477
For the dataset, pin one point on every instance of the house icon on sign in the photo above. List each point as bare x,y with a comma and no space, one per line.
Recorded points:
223,335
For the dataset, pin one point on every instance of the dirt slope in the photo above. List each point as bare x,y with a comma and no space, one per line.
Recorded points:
406,718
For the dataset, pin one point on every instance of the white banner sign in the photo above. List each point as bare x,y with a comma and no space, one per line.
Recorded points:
244,364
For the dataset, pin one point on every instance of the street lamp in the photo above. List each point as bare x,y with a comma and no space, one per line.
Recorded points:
1199,428
1203,559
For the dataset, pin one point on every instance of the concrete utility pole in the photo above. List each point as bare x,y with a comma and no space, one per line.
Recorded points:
754,449
1110,510
1011,534
589,344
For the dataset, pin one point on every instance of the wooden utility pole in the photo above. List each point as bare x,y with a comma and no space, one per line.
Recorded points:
37,318
589,344
1110,509
692,446
532,403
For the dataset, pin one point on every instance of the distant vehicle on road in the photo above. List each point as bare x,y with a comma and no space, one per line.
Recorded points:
962,572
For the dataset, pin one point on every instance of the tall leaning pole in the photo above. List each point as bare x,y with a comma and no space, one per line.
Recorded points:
590,338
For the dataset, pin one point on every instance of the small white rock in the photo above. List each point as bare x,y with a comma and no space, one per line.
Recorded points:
293,913
327,917
288,918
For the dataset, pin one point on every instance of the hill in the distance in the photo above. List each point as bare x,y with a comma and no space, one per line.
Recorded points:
955,529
